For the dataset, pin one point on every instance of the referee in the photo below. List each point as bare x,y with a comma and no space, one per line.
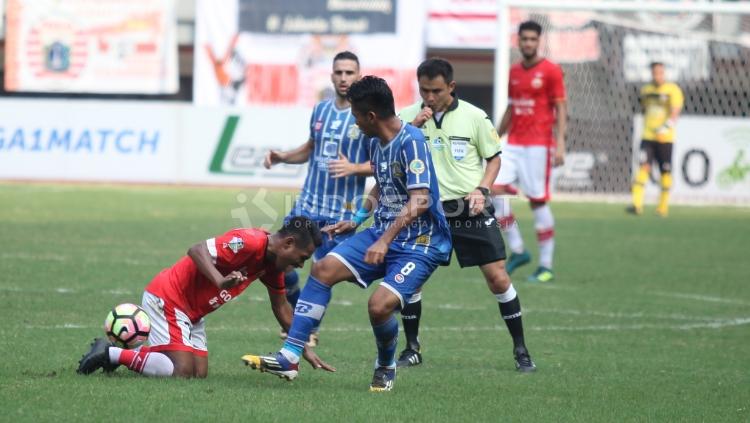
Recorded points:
461,138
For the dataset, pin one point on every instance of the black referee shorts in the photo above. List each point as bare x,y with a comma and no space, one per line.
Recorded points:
477,240
659,152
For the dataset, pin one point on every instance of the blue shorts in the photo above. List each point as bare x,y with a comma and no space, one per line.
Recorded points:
403,271
328,243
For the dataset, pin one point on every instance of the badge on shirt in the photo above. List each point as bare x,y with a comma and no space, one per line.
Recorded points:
235,244
416,166
396,169
438,144
459,148
353,132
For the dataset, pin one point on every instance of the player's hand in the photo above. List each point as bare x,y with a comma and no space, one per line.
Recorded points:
272,157
232,279
340,167
476,202
424,115
315,361
338,228
376,253
559,158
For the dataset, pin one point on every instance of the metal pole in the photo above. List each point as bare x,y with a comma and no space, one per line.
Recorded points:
502,61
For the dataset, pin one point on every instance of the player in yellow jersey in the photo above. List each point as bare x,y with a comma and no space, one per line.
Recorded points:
662,102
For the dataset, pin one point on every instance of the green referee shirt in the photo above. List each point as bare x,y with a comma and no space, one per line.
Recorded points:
459,142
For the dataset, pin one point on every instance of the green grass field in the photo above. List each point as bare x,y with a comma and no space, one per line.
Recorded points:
649,320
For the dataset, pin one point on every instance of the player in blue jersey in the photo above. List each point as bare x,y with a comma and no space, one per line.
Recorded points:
408,240
338,165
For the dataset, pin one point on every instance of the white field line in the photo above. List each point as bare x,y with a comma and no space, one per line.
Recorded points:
719,324
705,298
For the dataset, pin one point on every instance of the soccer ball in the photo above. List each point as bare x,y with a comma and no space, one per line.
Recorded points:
127,326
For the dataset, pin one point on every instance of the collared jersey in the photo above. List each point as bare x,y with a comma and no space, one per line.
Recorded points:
242,250
333,132
533,93
657,103
400,165
459,143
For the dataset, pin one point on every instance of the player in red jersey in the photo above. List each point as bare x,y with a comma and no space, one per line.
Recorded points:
212,273
537,104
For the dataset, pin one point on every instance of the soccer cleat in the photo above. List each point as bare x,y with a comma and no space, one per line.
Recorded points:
409,357
523,360
382,379
109,367
96,358
634,210
542,274
275,364
517,260
283,334
661,212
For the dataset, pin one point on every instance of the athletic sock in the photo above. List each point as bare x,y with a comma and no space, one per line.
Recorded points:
410,316
639,187
545,234
310,309
666,184
510,311
508,224
291,282
142,361
386,339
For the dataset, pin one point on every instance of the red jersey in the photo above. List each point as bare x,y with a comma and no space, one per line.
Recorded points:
241,250
533,93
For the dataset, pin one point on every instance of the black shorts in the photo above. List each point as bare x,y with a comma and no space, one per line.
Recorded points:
477,240
659,152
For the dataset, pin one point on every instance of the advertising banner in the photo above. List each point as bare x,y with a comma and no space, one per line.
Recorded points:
710,160
255,52
84,46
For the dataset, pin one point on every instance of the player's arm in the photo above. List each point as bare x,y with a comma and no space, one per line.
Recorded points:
561,116
344,226
299,155
204,262
343,167
281,308
418,203
504,122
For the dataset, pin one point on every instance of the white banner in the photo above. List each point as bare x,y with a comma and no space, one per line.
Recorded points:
103,46
710,160
82,140
472,24
255,52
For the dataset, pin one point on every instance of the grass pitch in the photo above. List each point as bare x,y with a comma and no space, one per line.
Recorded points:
649,320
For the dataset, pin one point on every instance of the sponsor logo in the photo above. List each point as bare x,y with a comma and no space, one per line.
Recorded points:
417,166
398,172
438,144
383,166
335,125
537,83
318,125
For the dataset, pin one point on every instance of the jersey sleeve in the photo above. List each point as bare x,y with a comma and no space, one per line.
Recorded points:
274,282
488,142
556,86
312,122
415,156
408,114
234,247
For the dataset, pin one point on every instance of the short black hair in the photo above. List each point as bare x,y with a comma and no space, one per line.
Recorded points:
530,26
346,55
372,94
432,68
655,64
304,231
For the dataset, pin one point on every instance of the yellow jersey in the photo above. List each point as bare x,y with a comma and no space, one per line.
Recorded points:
657,103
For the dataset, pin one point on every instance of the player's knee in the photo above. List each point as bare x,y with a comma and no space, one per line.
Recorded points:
498,281
183,370
378,310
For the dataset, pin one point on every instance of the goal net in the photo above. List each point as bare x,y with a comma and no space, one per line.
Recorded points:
605,55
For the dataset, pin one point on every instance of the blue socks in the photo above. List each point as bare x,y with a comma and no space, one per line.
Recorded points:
386,338
291,281
310,309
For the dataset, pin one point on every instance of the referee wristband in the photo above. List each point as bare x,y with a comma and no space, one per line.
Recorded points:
360,216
